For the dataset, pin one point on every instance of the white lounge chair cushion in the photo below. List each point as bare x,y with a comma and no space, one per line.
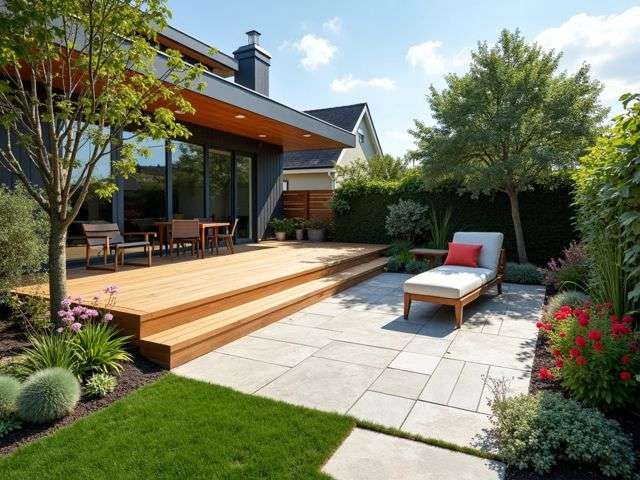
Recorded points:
491,246
449,281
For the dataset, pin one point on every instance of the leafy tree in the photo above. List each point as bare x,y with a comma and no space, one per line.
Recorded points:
510,122
377,167
76,74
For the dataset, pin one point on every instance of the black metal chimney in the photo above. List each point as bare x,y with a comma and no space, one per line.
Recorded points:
253,64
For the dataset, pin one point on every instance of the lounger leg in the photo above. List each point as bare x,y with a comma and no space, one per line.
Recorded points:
459,308
407,305
499,288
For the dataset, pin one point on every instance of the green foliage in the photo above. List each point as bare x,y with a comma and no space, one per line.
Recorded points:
23,238
286,225
573,298
536,431
608,203
546,214
441,228
316,223
596,355
407,220
524,273
48,395
97,348
100,385
571,270
399,247
31,312
9,390
47,351
376,167
8,425
509,123
416,266
395,264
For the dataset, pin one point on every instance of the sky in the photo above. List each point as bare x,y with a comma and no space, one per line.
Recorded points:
387,53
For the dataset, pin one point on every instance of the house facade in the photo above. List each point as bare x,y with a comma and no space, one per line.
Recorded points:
230,167
316,169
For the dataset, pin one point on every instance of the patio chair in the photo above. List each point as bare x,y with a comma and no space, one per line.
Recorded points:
459,285
185,231
108,237
227,238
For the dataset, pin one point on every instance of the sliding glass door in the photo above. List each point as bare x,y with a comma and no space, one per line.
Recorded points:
244,198
188,180
220,184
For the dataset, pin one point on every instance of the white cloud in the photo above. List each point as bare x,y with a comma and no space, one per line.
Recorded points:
348,83
425,55
333,26
609,43
316,51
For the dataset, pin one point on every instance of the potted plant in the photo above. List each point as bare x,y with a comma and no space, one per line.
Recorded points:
299,226
282,227
315,229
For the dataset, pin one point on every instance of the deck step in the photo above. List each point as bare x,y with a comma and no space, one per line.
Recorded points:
177,345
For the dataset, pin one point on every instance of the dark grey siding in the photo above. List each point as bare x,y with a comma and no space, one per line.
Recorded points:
28,168
269,189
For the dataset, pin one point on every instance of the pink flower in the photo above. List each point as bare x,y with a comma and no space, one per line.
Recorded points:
111,290
91,313
107,317
76,327
66,302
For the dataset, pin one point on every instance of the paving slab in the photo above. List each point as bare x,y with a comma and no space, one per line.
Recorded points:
416,362
313,337
447,423
395,335
427,345
468,389
306,319
442,381
356,353
400,383
495,350
270,351
242,374
325,308
367,455
383,409
323,384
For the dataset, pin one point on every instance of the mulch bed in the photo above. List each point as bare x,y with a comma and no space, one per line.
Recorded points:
134,375
629,421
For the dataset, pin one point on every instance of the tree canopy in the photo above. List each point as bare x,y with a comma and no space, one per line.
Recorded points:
376,167
510,122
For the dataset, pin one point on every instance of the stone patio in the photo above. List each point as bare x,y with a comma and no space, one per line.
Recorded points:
354,354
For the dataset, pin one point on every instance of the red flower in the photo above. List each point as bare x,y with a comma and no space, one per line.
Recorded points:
580,341
620,329
580,360
627,319
597,346
546,374
583,319
608,305
625,376
595,335
574,352
613,318
625,360
555,352
563,312
559,363
562,334
539,324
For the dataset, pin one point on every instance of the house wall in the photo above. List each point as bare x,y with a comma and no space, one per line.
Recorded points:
309,181
363,150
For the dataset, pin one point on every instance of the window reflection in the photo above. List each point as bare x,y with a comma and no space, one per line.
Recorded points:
220,184
188,180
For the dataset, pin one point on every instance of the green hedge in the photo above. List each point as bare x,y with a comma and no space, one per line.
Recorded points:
360,211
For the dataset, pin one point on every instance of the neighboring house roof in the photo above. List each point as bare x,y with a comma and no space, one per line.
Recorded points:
346,117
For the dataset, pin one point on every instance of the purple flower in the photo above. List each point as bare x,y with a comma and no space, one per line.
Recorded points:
78,310
62,313
111,290
91,313
66,302
76,327
84,316
107,317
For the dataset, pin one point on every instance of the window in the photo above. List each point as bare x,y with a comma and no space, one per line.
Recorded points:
188,180
244,199
220,176
360,136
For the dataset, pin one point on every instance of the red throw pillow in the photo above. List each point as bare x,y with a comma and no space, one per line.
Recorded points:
463,254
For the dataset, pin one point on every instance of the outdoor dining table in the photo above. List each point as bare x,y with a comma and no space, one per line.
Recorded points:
215,226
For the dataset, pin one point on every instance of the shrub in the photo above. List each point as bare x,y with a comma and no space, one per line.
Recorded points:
98,348
569,271
47,351
573,298
407,220
100,385
286,225
596,354
9,390
399,247
48,395
524,273
31,312
535,431
416,266
316,223
8,425
395,264
23,238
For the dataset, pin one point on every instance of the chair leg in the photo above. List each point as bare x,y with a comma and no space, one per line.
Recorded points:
459,312
407,305
499,288
87,253
149,254
231,245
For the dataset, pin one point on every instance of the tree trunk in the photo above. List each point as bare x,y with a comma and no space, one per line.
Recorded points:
517,225
57,266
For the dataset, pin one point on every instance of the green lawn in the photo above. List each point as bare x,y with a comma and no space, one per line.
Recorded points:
179,428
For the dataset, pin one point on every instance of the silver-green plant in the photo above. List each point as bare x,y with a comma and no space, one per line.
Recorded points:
48,395
407,220
524,273
9,390
573,298
100,385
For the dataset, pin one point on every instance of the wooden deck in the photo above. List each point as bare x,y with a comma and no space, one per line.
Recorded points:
182,308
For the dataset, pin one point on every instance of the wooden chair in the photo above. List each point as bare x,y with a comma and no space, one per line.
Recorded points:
185,231
108,237
227,238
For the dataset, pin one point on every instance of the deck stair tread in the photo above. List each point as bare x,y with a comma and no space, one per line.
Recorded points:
182,336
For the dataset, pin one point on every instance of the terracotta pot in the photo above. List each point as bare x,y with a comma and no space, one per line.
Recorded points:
280,236
315,234
299,234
